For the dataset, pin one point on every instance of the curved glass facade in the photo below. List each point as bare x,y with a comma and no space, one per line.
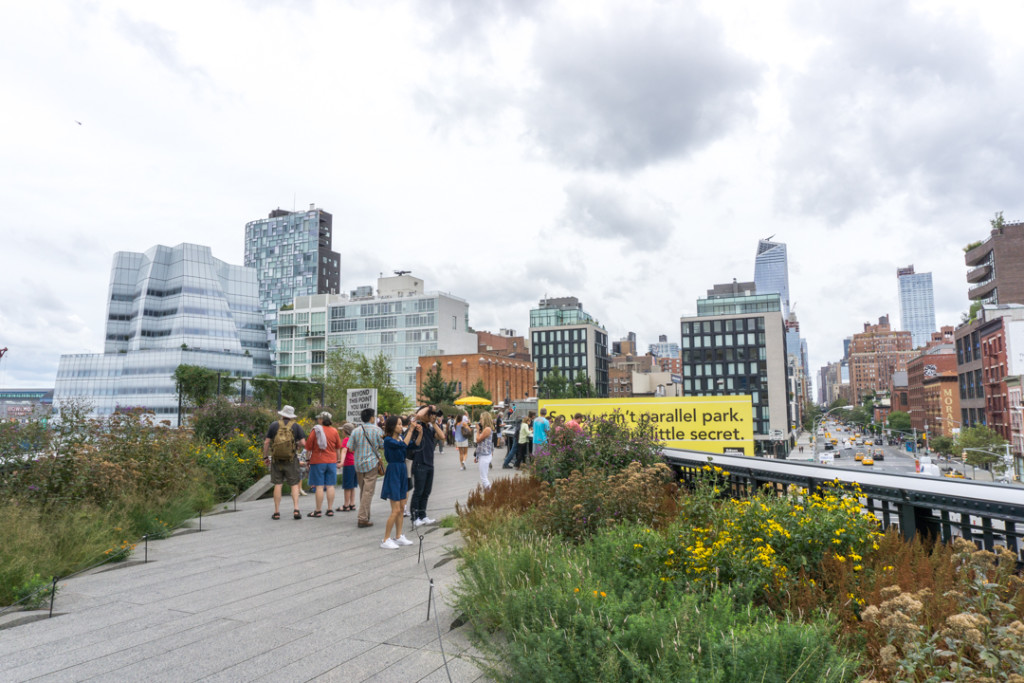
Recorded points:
167,307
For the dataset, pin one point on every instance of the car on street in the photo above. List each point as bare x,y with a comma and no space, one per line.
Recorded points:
859,456
868,460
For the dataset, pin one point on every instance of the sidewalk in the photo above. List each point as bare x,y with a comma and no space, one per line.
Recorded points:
250,598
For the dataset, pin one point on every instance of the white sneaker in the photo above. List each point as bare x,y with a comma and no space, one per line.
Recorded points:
402,540
428,520
418,523
389,544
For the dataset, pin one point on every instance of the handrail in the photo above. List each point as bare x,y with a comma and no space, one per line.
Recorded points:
944,508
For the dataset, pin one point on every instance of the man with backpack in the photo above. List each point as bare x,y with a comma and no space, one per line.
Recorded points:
280,448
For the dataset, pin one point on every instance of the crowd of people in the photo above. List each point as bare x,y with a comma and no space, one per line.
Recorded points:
397,449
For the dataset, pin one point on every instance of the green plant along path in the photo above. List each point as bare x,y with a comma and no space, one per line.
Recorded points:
597,568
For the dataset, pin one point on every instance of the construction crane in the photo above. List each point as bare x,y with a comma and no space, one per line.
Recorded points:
3,351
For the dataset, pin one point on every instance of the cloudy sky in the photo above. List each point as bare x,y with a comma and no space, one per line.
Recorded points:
628,153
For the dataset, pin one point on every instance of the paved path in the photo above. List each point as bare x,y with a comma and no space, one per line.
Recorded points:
249,598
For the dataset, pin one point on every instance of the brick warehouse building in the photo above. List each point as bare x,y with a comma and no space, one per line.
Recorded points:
927,366
506,378
875,354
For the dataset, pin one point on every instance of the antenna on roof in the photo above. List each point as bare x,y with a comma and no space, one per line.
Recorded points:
402,272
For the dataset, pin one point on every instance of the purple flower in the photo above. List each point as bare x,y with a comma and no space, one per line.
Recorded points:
32,488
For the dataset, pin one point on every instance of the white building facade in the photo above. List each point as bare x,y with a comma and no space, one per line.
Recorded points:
401,320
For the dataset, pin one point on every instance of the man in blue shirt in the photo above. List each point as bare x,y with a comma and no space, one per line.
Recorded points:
540,428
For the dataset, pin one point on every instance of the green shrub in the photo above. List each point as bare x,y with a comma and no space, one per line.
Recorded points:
220,419
604,445
589,501
568,613
233,465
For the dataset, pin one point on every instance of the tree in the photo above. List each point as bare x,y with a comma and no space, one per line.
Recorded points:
376,373
478,389
811,414
341,373
436,390
899,420
197,384
295,391
981,438
943,445
582,387
554,385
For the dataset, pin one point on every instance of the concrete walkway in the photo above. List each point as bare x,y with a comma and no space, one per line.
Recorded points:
250,598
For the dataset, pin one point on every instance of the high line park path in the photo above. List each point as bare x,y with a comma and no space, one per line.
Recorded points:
249,598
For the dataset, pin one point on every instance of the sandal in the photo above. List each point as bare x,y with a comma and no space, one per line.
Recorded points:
315,513
276,515
296,515
329,513
343,508
351,508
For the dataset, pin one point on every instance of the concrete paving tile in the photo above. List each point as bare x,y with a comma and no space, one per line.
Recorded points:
312,664
366,664
74,624
82,664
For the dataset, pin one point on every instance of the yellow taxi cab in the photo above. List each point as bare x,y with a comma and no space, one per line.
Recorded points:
856,435
859,457
869,443
954,475
868,460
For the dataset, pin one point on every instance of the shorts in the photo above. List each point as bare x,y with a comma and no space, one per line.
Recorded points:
323,474
348,477
284,470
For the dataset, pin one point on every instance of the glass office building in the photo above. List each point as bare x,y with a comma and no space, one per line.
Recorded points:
771,272
401,320
917,305
167,307
735,345
291,252
564,336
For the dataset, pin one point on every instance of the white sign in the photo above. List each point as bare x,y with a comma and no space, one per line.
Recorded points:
359,400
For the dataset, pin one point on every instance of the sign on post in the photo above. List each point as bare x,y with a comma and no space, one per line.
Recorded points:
359,400
713,424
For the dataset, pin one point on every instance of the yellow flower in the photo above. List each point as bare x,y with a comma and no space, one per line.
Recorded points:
637,546
603,594
575,590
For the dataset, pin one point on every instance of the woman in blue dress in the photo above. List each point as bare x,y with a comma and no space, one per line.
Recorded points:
396,484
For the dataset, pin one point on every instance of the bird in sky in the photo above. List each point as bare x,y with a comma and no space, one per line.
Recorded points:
78,122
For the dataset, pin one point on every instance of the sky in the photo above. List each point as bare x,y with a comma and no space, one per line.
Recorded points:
630,154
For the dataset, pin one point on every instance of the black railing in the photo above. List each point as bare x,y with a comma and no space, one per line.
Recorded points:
943,508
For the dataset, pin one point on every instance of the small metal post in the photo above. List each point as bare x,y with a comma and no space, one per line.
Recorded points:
53,592
419,553
430,597
146,539
235,501
200,519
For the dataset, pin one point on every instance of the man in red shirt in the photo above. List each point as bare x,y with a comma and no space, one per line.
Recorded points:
324,445
576,423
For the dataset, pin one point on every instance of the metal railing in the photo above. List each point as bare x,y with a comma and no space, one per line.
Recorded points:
990,514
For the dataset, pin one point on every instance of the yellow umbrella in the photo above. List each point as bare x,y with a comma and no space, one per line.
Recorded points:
472,401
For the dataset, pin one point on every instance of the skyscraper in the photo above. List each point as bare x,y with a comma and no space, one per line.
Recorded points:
917,307
167,307
771,271
291,252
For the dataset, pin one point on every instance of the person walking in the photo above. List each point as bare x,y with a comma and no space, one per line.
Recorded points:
423,466
395,486
280,453
349,482
366,442
324,446
484,447
463,431
525,435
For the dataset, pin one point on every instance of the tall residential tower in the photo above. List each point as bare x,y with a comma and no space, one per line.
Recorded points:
917,306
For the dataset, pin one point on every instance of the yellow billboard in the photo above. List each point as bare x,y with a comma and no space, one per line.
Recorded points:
714,424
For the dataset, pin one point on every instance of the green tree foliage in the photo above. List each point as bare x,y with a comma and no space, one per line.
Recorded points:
899,421
555,385
943,445
984,439
478,389
197,384
295,391
347,369
582,387
219,419
811,415
436,390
